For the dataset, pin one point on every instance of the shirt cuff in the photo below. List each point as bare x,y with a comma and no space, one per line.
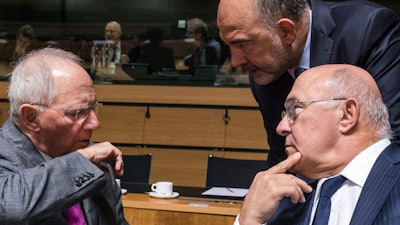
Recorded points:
237,221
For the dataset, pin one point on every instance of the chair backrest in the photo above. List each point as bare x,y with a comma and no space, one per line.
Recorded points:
136,168
239,173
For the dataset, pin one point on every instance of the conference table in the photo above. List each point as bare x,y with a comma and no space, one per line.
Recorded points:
190,207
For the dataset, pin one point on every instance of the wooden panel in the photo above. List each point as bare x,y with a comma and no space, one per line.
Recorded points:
3,89
142,209
185,126
121,124
184,167
4,111
222,96
149,216
246,130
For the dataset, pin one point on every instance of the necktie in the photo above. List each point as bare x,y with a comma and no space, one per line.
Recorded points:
197,57
114,54
298,71
75,215
329,187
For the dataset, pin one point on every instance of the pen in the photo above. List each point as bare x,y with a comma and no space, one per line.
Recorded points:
230,190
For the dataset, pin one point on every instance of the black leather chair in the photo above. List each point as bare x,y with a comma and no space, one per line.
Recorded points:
238,173
137,168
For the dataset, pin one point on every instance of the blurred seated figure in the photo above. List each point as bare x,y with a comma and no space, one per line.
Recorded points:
207,51
118,52
153,53
25,36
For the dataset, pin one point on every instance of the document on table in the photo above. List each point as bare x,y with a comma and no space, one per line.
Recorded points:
226,191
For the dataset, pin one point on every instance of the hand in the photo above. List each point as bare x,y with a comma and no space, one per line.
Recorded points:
105,152
124,58
269,188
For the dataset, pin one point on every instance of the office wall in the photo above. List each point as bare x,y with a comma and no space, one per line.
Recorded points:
52,18
55,19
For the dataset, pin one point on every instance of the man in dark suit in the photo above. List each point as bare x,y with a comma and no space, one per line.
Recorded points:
207,51
272,38
336,126
153,53
118,51
49,170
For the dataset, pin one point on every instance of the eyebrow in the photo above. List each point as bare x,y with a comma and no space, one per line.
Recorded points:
239,41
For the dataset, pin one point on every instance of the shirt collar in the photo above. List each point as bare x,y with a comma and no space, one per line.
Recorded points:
359,168
305,57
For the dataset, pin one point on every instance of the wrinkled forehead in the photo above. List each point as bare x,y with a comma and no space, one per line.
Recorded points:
236,15
308,85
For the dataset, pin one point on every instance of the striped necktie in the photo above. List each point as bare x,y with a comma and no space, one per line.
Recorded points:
329,187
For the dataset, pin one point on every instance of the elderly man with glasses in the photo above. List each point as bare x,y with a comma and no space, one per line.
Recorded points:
50,172
343,166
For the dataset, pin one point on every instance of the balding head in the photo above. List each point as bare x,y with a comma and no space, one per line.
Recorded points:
113,31
333,113
347,81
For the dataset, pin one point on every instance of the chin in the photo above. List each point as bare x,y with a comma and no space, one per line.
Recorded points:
81,144
262,78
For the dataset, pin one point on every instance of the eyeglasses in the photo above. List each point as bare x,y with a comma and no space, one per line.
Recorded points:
292,104
77,113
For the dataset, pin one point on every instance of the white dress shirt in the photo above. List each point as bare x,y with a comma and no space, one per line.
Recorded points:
305,57
345,199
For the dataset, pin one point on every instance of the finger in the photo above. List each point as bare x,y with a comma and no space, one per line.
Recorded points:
286,164
119,166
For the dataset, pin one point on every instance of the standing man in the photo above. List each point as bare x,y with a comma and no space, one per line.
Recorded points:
118,52
273,39
50,173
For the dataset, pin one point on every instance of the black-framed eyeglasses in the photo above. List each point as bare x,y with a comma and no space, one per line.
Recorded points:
292,104
77,113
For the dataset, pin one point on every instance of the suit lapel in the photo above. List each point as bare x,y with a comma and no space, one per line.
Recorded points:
322,26
380,181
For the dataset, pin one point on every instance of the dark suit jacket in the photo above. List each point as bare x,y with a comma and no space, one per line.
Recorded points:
353,32
157,56
33,191
379,202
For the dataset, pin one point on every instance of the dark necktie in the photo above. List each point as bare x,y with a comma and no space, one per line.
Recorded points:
298,71
75,215
329,187
114,54
197,57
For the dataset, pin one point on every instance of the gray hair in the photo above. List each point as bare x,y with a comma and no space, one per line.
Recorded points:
270,11
31,81
373,110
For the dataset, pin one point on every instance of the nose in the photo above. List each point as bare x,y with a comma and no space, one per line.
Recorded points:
92,122
237,58
283,128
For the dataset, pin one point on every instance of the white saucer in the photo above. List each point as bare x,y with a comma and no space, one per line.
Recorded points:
124,191
155,195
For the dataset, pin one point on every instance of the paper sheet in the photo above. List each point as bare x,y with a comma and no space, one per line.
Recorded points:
226,191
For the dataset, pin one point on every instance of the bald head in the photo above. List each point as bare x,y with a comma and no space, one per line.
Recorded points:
337,78
233,14
113,31
345,81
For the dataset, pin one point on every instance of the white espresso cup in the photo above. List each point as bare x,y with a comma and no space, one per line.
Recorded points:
162,188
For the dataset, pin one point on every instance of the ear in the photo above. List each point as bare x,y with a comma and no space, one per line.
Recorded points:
29,117
351,114
287,30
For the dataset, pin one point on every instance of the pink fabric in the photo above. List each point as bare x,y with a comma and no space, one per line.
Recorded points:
75,215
